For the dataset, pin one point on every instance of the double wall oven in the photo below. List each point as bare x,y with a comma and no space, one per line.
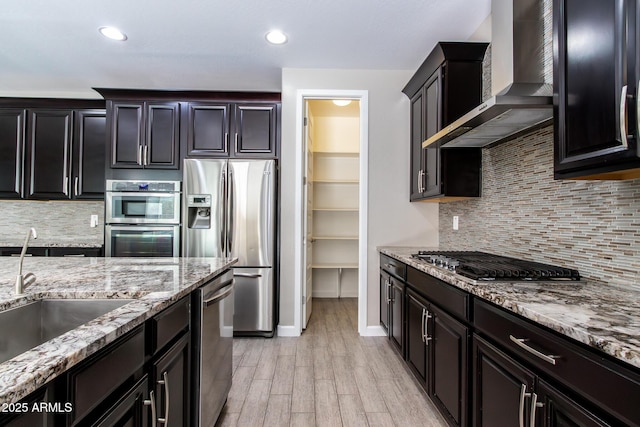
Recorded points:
142,218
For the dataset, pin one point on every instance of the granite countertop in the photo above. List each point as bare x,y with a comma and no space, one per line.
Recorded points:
57,243
153,283
605,317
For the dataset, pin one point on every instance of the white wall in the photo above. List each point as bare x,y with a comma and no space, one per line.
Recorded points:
392,219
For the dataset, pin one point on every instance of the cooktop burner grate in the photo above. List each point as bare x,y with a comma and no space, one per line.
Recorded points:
486,266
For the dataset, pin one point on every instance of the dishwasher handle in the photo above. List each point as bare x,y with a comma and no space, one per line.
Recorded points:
221,294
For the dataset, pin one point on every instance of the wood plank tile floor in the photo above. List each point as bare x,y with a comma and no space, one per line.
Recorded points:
329,376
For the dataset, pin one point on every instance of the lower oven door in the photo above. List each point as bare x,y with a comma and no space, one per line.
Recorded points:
142,241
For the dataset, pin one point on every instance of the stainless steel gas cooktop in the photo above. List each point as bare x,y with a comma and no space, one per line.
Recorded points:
489,267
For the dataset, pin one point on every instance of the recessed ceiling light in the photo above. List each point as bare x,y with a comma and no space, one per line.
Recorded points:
342,102
113,33
276,37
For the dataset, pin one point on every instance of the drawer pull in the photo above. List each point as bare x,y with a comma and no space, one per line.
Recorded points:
521,342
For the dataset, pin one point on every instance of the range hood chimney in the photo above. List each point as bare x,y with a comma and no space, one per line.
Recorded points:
521,100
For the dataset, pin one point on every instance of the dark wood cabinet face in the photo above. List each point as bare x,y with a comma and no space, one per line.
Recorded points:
498,383
397,315
160,150
433,123
450,365
417,153
417,326
12,138
130,410
384,300
89,150
171,375
558,410
126,134
48,154
596,125
208,129
255,130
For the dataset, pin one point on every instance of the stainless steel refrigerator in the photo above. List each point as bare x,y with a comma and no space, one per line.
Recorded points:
229,211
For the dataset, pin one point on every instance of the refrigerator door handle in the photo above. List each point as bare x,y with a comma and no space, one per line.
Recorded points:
249,275
231,213
223,211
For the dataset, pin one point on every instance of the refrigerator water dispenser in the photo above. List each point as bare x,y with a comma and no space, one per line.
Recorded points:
199,211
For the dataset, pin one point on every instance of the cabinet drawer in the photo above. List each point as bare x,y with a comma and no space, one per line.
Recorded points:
606,383
93,382
450,299
169,324
393,267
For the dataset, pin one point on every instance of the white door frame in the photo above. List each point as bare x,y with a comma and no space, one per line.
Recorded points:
363,96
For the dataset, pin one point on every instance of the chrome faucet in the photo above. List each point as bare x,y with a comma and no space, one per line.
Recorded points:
23,281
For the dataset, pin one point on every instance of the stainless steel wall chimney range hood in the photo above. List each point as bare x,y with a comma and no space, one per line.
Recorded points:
521,100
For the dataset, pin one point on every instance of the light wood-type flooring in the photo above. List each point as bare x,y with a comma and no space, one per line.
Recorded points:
329,376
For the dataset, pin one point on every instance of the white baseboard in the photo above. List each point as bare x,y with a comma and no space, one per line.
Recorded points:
373,331
287,331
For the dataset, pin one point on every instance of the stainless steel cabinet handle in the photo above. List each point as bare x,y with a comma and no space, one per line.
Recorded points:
76,189
236,142
427,338
165,382
623,117
534,405
523,395
65,186
222,293
226,142
521,342
250,275
139,159
422,181
424,316
151,402
388,291
145,161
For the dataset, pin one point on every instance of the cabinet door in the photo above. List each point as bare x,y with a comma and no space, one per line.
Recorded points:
171,378
449,385
12,135
208,130
161,148
255,130
416,182
126,133
131,410
594,121
48,154
501,388
89,148
558,410
417,332
433,123
397,315
385,299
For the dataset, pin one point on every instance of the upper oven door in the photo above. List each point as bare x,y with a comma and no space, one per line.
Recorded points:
142,208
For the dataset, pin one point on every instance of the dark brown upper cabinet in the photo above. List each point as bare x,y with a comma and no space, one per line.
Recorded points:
89,151
12,139
230,129
446,86
596,75
144,134
48,154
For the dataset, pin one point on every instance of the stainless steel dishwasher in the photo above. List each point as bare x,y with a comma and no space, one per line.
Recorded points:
213,350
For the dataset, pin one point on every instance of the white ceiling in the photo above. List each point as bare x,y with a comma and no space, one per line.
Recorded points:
53,48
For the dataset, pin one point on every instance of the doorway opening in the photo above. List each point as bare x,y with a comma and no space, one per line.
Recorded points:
333,176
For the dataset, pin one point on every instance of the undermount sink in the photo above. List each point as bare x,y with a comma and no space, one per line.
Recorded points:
25,327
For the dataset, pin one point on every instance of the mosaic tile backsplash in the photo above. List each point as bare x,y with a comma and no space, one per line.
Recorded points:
593,226
59,222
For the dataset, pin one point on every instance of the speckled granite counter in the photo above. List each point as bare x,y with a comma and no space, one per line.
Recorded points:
58,243
154,283
601,316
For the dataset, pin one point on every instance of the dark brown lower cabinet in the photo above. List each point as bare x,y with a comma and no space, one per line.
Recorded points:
500,385
171,379
558,410
132,410
385,300
416,342
396,327
449,385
